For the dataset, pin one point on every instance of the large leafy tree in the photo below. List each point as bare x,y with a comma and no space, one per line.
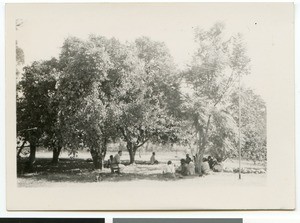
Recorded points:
37,106
213,74
92,75
146,113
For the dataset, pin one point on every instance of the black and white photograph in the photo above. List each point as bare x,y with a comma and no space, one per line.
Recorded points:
141,102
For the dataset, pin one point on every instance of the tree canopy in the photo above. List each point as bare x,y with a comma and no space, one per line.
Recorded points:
101,90
216,66
37,105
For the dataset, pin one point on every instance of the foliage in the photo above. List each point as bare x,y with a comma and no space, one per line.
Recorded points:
100,90
36,102
214,71
146,111
37,105
97,74
19,55
253,124
224,136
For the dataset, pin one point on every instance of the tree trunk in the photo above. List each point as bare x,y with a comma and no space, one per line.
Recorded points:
132,150
31,160
201,149
199,160
97,158
32,153
132,156
201,144
104,148
56,152
20,150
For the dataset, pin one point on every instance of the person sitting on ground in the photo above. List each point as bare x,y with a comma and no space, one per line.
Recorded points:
211,161
110,161
205,170
169,170
183,168
153,160
191,168
116,163
188,159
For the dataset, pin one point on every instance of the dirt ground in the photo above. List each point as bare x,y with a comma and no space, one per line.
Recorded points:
79,171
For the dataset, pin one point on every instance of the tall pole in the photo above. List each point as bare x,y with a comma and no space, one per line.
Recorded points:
240,152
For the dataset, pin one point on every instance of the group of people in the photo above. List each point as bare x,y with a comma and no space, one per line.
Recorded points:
187,167
114,162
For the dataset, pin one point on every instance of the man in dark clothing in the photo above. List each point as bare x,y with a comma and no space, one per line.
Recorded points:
188,159
183,168
211,161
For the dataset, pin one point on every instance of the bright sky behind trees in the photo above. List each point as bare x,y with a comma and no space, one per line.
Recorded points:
44,31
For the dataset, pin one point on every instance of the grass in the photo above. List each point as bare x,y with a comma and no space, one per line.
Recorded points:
80,170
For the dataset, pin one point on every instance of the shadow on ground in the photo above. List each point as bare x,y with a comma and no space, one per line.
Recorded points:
80,170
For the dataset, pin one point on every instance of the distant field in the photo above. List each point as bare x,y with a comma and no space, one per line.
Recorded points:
162,157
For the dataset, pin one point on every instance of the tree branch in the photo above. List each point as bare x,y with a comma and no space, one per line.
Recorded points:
124,134
143,142
226,88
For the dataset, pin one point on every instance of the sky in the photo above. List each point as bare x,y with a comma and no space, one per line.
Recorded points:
263,27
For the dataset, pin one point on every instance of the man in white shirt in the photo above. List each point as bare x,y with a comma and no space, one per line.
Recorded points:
169,170
117,158
116,163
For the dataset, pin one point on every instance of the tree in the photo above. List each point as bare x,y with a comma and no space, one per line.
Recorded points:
146,113
213,74
37,105
143,120
52,136
253,124
19,55
93,72
20,59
